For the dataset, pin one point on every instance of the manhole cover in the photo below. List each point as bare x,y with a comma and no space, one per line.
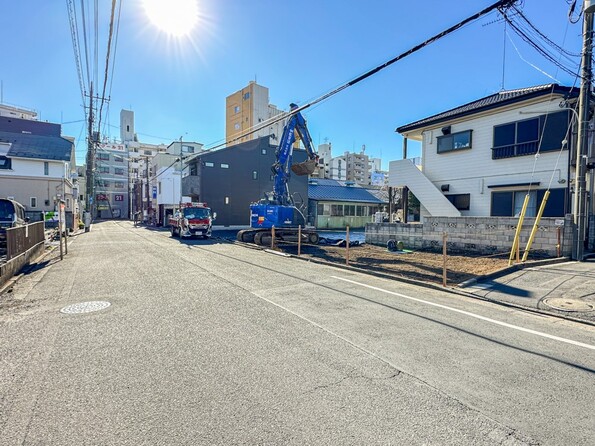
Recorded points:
85,307
562,304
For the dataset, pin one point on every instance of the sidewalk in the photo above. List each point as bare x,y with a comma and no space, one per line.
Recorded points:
564,289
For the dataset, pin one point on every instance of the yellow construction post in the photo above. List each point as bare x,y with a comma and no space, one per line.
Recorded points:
519,227
536,225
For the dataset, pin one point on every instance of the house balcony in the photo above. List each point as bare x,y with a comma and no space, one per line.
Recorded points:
510,151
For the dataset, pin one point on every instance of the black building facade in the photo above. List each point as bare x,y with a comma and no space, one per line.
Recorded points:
230,179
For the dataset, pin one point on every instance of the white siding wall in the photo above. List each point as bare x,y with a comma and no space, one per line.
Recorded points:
170,186
34,168
471,171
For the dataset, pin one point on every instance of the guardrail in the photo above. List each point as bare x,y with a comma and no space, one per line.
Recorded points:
23,238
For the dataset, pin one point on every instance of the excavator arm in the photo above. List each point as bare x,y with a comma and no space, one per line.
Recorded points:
284,154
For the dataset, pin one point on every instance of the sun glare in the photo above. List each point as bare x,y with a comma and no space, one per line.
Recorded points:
175,17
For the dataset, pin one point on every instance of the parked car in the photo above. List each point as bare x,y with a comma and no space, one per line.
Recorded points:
12,214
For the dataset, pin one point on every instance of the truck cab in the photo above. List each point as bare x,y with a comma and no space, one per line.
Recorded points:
193,219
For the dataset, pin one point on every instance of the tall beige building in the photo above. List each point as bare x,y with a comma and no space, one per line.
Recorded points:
247,108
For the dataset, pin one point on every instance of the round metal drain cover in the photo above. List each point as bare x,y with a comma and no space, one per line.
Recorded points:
85,307
562,304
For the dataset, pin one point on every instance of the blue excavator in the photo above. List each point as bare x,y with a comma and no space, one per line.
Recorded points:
278,210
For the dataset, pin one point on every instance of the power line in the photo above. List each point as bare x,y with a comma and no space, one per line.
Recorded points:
115,49
501,5
85,41
107,58
96,43
75,47
524,31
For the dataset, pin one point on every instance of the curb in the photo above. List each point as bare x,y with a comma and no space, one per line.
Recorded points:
510,269
453,290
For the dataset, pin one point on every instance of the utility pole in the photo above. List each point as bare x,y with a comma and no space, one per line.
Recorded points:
405,192
181,170
148,188
580,190
90,159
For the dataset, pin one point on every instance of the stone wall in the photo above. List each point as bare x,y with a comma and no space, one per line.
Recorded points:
481,235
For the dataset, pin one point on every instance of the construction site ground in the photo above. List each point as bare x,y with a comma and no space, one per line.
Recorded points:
416,265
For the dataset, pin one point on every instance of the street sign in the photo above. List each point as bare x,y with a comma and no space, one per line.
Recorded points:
154,191
62,217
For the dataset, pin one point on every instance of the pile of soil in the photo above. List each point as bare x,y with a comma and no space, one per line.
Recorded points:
418,265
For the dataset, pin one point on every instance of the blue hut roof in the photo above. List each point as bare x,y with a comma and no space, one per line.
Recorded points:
333,190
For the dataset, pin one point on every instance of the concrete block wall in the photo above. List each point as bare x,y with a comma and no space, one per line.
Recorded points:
13,266
482,235
411,234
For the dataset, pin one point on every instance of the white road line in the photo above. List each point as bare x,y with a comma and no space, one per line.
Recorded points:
467,313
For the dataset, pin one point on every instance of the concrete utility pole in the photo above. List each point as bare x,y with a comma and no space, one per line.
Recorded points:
181,170
580,190
148,187
405,192
90,158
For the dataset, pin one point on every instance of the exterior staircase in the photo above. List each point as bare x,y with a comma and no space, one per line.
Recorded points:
405,173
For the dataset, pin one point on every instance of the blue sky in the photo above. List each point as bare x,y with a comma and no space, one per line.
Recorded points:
299,50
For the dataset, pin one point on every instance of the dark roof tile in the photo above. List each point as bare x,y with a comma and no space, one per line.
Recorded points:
23,145
496,100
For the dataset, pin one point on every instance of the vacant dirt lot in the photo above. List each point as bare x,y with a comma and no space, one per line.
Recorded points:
418,265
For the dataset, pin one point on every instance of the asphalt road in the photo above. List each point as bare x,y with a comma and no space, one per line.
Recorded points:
209,343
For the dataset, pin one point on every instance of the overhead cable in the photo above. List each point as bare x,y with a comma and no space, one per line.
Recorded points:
501,5
107,58
85,41
75,48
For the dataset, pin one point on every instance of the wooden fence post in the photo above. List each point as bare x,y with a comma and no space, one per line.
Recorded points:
273,237
444,236
347,246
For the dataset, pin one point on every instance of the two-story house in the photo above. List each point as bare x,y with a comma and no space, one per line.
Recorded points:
37,166
482,158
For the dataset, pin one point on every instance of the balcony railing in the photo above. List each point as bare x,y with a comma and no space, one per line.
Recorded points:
522,149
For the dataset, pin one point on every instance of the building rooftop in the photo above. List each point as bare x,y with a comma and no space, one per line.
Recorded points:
321,189
499,99
23,145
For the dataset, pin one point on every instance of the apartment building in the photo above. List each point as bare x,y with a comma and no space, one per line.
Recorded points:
247,108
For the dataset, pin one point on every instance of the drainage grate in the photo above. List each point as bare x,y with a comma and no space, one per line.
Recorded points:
562,304
85,307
